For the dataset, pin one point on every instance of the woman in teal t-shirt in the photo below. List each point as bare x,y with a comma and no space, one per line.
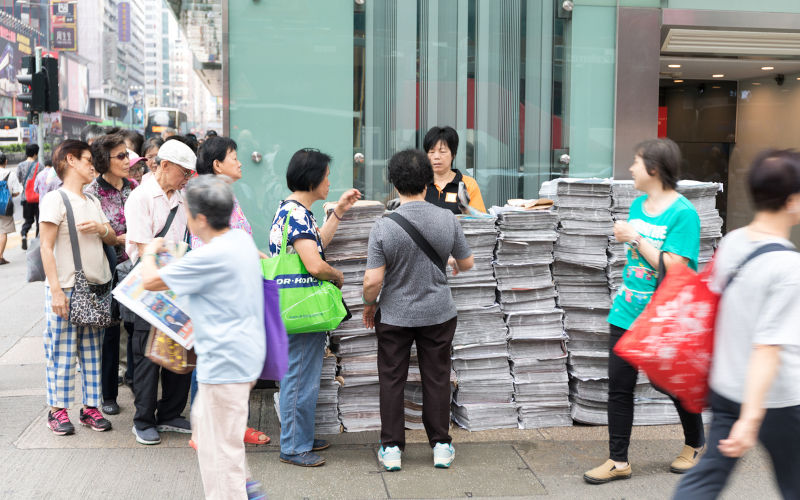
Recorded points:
661,222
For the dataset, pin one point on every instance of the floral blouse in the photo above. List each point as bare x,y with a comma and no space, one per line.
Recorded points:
112,201
238,221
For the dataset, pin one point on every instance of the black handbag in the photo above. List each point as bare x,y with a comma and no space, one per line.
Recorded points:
89,304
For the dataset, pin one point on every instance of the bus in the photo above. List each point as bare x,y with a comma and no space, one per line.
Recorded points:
159,120
14,130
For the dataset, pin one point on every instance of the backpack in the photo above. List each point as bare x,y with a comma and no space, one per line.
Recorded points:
6,205
31,196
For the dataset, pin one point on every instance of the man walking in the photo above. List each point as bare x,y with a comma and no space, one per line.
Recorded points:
156,210
754,391
26,171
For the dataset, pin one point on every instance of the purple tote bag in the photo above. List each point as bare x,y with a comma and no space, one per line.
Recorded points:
277,360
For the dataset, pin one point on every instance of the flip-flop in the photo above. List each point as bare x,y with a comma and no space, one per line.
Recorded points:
252,436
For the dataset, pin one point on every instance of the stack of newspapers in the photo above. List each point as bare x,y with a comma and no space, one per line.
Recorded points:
326,416
535,330
355,346
703,196
480,357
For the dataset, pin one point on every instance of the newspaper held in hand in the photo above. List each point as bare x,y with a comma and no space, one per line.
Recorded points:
161,309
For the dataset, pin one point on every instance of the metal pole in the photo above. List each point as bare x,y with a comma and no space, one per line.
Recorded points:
40,125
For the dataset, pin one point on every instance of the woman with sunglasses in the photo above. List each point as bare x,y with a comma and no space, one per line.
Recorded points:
63,340
112,187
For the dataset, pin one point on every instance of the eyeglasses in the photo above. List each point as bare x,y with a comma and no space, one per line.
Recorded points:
87,159
121,156
186,172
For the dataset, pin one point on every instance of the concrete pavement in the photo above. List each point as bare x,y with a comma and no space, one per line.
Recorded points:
546,463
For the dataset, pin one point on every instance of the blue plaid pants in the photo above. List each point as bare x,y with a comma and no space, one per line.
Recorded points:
63,344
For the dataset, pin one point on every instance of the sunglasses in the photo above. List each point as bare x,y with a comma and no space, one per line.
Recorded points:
186,173
121,156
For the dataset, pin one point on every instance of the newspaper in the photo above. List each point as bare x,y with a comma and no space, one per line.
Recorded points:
160,309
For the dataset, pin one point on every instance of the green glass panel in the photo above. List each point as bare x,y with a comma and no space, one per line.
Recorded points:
291,86
591,61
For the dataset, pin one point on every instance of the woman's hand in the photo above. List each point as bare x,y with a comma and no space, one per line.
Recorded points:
58,303
743,436
155,246
262,255
624,232
368,317
339,279
91,227
121,239
453,264
347,200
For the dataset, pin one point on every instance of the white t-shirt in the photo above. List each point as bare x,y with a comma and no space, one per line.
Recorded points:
93,259
222,283
761,306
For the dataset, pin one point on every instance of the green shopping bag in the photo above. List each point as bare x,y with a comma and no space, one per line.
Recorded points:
307,304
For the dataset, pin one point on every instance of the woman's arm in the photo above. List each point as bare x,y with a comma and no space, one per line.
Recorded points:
318,268
48,233
346,201
151,280
373,282
625,233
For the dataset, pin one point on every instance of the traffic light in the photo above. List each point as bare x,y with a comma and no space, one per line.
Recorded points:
50,68
34,87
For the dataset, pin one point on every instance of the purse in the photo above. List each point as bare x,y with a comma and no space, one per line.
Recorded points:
31,196
167,353
672,341
89,304
307,304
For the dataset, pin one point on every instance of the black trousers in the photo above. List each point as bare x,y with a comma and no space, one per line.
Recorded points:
621,384
109,368
30,212
433,351
174,387
780,435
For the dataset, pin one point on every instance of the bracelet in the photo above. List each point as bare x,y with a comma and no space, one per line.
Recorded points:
368,303
153,254
105,234
335,214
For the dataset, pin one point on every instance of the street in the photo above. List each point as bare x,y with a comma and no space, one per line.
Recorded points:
545,463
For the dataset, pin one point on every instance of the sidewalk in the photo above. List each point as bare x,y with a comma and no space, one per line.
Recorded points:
546,463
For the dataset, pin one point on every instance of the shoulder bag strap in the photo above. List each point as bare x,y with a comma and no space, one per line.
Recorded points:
770,247
168,223
420,240
73,233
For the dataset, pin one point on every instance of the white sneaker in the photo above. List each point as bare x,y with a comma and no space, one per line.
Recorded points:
390,457
443,455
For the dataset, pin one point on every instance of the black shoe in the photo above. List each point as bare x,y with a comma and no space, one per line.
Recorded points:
110,408
24,243
94,419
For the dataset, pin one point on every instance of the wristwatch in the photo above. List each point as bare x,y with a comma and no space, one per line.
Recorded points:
634,243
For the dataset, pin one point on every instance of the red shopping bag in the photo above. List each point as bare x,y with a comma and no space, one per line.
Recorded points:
672,341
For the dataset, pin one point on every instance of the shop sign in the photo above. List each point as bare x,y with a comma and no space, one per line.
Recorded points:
124,21
64,26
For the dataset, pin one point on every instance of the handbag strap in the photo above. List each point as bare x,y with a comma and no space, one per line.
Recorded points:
770,247
73,233
284,241
171,216
420,240
662,269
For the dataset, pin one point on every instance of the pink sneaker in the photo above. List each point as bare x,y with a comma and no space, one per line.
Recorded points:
92,417
59,423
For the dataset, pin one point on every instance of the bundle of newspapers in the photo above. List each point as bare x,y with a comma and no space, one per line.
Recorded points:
535,330
355,346
480,356
703,196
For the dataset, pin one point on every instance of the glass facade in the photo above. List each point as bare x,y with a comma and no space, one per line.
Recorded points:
536,89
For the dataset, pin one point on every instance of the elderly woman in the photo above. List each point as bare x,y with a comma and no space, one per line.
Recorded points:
112,187
149,153
415,306
222,285
441,143
63,340
662,224
217,156
307,178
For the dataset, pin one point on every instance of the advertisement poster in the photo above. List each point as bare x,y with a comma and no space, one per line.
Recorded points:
74,87
13,46
160,309
63,23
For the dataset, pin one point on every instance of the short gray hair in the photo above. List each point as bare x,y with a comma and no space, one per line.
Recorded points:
211,196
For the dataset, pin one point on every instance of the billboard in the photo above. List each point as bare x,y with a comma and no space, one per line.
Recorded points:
13,46
63,21
74,85
124,21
